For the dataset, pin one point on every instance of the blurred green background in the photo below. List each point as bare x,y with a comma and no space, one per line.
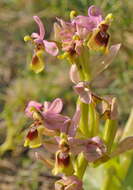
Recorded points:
18,85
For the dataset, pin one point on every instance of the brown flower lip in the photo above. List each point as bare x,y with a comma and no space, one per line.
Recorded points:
32,134
102,38
35,60
63,159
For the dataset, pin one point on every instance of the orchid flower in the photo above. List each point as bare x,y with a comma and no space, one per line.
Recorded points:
89,31
47,118
80,140
86,24
81,39
41,46
73,34
49,113
68,147
65,34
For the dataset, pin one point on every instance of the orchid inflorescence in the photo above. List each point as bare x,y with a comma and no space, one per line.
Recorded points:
84,42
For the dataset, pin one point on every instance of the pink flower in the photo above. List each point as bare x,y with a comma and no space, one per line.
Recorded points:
49,114
41,45
92,148
47,121
65,32
86,24
50,47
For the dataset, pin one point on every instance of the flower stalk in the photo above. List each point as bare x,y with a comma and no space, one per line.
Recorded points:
77,141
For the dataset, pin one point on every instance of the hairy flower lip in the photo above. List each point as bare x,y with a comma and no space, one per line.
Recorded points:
63,159
32,134
102,38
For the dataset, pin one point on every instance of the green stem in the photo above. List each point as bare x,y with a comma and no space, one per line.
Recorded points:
83,69
81,162
81,74
84,63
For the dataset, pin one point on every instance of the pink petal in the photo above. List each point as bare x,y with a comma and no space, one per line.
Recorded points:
54,121
64,24
78,47
35,35
95,149
51,47
95,14
31,104
84,93
46,105
82,32
56,106
74,75
57,30
74,123
85,22
77,145
94,11
51,145
41,27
